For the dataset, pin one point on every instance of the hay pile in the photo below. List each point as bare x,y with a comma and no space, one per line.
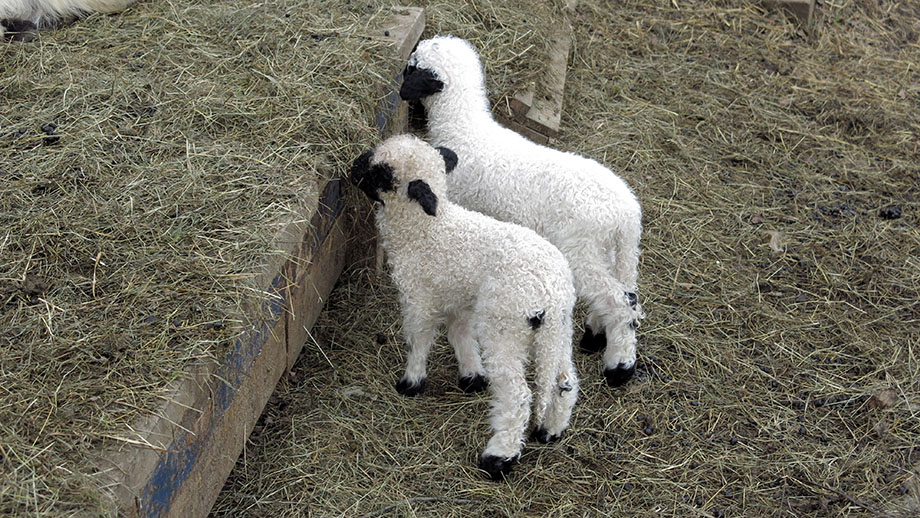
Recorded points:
778,168
146,162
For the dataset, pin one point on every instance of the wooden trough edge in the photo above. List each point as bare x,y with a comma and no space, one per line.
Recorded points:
175,462
539,117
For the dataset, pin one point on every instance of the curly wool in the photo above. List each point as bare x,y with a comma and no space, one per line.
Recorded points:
496,285
43,13
576,203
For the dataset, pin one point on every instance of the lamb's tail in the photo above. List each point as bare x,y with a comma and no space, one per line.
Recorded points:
555,377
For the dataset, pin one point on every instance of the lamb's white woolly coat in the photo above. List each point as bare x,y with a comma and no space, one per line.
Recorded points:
576,203
43,13
488,280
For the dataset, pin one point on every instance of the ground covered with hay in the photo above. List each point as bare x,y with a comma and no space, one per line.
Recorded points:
778,168
147,161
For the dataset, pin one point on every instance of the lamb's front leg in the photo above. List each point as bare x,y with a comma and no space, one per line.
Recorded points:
461,336
419,328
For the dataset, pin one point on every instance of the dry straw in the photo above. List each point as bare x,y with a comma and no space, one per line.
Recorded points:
146,162
777,166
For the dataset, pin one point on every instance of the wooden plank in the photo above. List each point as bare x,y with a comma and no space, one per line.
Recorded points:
539,116
392,118
801,9
175,462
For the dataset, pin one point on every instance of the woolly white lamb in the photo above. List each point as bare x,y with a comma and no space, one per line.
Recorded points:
28,15
577,204
498,286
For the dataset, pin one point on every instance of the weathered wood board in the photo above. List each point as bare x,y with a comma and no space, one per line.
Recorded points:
538,116
176,461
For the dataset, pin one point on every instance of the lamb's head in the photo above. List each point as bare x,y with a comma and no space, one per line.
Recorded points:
404,169
444,65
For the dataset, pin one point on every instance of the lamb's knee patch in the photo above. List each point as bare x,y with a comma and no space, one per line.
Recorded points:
497,467
537,320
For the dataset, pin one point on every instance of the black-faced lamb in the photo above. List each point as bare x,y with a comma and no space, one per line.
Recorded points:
576,203
503,291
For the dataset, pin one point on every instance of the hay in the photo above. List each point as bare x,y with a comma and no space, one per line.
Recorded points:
774,381
146,162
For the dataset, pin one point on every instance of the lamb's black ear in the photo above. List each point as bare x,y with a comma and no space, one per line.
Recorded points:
450,158
420,192
419,83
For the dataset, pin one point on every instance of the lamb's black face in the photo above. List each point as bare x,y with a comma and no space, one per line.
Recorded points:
371,179
419,83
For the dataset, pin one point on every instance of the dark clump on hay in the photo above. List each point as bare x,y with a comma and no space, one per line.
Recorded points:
778,371
147,161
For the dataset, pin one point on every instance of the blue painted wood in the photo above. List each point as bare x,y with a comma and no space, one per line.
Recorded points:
177,463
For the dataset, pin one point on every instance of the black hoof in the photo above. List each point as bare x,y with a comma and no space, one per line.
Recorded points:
541,435
406,388
20,30
591,342
619,375
474,383
497,467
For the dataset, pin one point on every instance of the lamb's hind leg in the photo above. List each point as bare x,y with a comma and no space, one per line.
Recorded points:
461,336
556,381
612,318
504,355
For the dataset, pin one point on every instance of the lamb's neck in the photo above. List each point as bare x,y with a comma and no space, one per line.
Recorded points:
458,117
403,227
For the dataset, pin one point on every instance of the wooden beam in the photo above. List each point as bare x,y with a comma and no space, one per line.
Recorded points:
536,112
175,462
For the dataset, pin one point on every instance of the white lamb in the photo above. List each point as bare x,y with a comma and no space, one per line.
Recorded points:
577,204
499,287
23,16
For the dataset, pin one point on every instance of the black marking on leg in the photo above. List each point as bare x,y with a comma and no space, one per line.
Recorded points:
473,383
497,467
632,298
537,320
591,342
564,387
619,375
409,389
542,436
